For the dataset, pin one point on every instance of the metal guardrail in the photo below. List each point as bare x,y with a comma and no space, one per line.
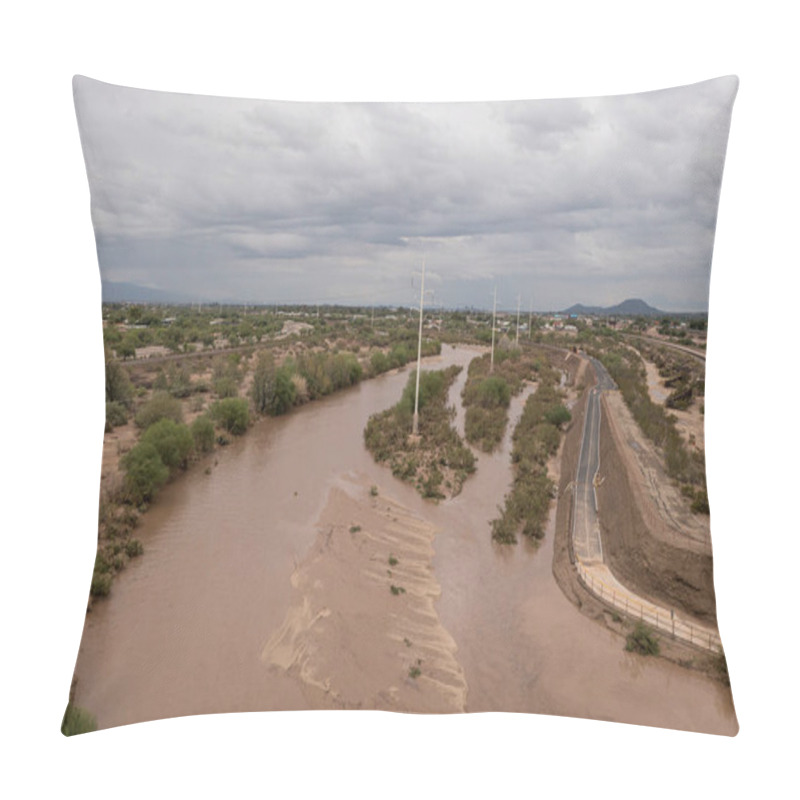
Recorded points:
661,619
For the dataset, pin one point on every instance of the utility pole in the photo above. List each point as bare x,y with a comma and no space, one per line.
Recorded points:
494,314
519,300
415,426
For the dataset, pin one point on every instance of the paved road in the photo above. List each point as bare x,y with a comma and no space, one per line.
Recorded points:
586,539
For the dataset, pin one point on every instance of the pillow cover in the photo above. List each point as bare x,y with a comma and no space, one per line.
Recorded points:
404,407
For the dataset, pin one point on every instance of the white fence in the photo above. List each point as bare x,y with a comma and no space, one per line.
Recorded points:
658,618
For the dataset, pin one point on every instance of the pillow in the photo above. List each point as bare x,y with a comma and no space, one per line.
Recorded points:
404,407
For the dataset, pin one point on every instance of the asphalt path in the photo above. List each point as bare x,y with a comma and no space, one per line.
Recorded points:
586,538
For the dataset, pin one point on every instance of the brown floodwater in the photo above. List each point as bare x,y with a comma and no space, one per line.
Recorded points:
185,626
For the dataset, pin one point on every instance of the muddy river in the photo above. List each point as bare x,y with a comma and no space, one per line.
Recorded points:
185,626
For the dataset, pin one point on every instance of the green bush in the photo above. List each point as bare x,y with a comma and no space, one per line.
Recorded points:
493,392
558,415
283,392
642,640
145,472
160,406
172,441
203,434
101,584
379,363
77,720
232,413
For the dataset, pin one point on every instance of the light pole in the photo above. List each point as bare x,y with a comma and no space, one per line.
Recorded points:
415,424
519,300
530,319
494,314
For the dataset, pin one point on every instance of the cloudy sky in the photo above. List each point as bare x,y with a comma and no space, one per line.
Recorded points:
561,201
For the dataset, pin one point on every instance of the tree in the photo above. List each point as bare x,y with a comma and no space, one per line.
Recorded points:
145,472
558,415
173,442
127,346
119,388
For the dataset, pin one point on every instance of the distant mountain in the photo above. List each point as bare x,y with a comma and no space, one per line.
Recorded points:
633,308
133,293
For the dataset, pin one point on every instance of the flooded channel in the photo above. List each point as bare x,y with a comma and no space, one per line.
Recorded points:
186,625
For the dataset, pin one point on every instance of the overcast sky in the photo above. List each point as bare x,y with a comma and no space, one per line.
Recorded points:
562,201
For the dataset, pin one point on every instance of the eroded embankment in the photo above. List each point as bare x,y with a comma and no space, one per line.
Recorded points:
655,569
362,630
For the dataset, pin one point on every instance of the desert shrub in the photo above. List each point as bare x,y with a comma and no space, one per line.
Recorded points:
558,415
493,392
116,415
345,370
484,427
180,381
642,640
101,584
379,363
431,386
77,720
145,472
283,392
700,502
160,406
203,434
226,387
161,384
133,548
232,413
300,389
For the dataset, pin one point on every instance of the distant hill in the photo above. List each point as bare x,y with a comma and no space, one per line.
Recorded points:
133,293
633,308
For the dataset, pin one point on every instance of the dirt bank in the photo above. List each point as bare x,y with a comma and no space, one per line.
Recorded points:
362,630
643,545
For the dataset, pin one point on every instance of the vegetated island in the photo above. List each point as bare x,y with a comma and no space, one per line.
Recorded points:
437,462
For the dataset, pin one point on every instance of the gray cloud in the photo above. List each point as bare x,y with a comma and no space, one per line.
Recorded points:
585,200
